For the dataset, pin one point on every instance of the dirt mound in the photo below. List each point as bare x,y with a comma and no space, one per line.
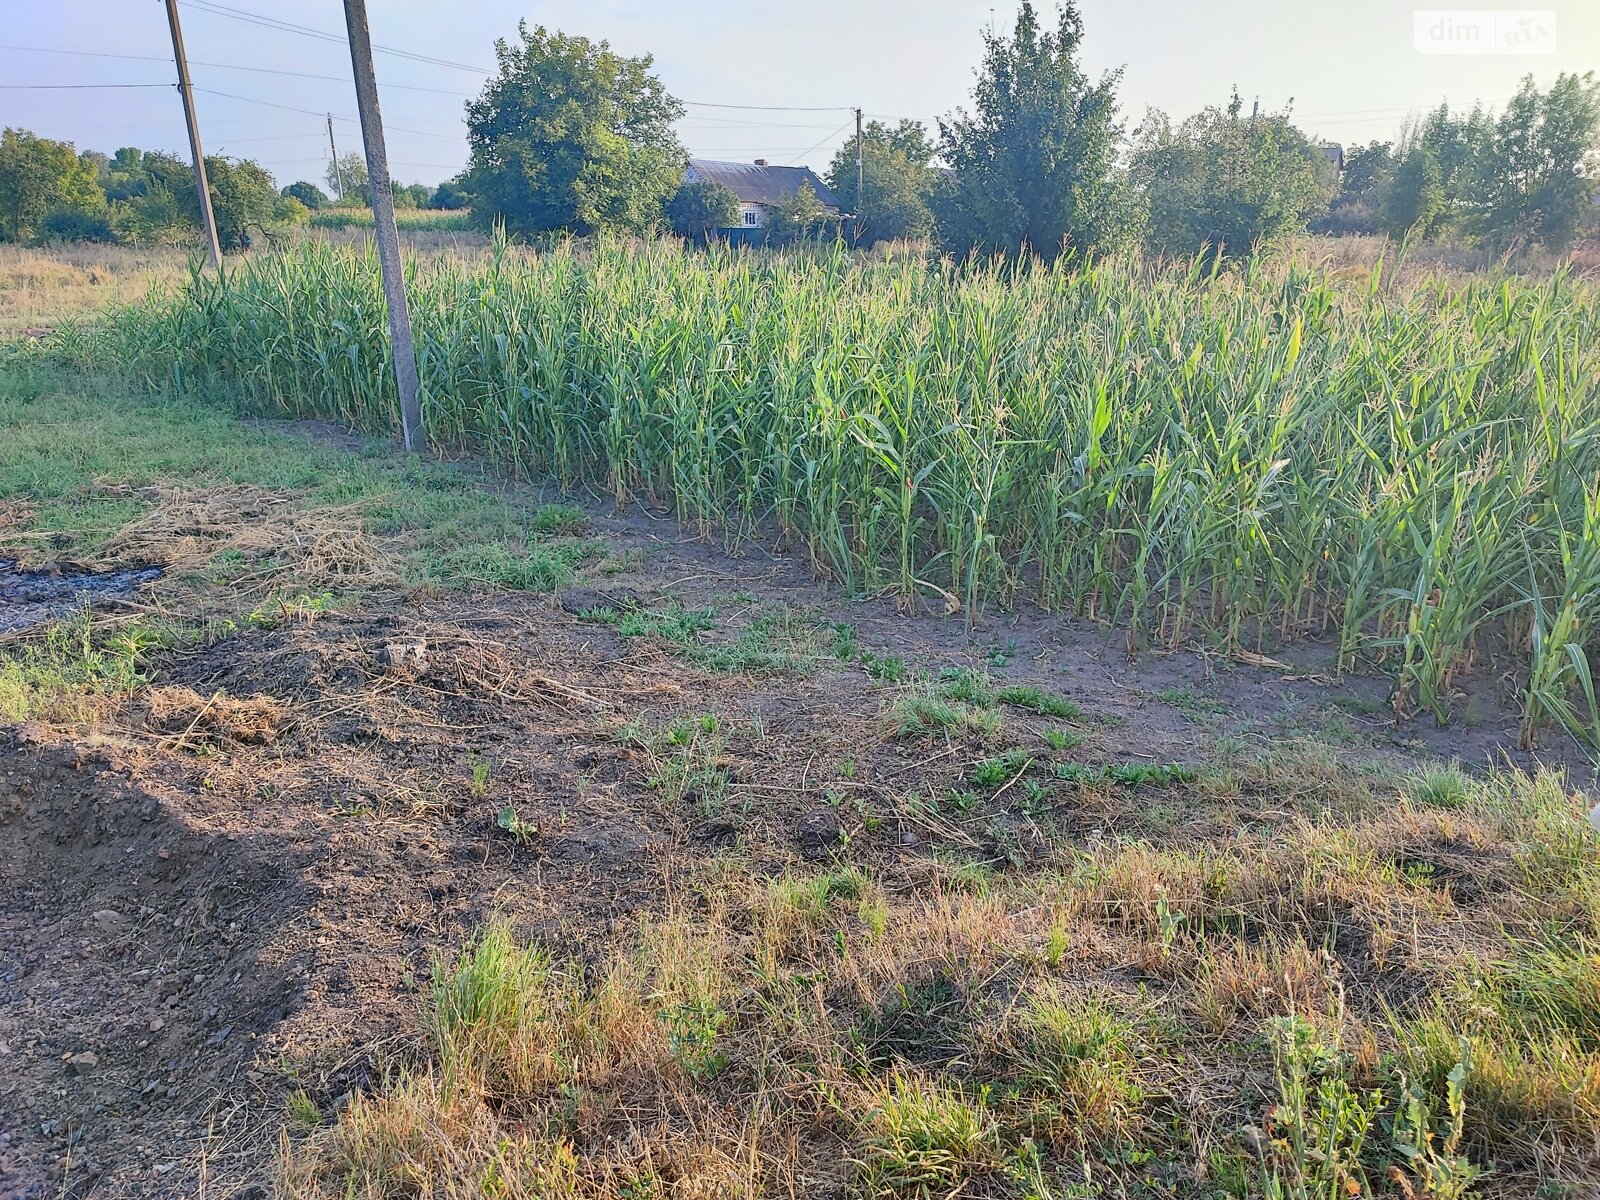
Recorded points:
135,975
218,903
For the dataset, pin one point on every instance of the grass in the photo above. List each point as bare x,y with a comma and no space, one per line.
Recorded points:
1299,452
431,220
298,525
774,639
1036,699
1039,1032
42,288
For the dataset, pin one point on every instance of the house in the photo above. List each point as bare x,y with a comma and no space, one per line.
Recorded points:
1334,153
761,187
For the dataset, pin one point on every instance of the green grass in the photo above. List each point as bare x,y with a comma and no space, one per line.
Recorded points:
76,450
1036,699
774,640
81,459
435,220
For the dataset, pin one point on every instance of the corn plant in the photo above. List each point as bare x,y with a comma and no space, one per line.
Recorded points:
1247,457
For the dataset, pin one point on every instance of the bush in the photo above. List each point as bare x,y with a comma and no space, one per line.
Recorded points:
701,206
308,194
70,225
450,195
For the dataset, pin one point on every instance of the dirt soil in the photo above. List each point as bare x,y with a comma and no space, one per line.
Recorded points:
215,901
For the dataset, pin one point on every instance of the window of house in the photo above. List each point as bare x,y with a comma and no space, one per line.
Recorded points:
752,217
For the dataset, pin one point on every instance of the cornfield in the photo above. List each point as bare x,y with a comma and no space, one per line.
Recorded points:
1412,473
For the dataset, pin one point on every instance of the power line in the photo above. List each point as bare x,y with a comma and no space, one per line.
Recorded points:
829,138
35,87
310,113
770,107
408,87
239,14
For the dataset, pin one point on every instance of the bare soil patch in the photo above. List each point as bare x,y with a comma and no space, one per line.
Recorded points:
230,890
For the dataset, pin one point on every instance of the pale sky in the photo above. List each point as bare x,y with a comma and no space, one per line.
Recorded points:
1350,66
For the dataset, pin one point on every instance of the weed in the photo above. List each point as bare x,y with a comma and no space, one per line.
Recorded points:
1063,739
967,686
1441,787
1192,703
302,1111
884,668
925,1139
1036,699
992,773
920,715
520,831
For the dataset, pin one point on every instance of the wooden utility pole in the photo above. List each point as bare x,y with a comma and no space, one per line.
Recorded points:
858,176
338,175
202,185
388,238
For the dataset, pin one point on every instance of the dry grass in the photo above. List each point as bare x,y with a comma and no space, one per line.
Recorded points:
41,288
268,536
1296,1012
191,719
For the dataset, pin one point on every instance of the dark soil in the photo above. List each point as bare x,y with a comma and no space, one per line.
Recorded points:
195,922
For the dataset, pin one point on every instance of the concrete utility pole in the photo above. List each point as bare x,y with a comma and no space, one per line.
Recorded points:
858,175
388,238
202,185
338,175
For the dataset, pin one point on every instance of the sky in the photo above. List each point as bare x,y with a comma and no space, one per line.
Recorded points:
772,79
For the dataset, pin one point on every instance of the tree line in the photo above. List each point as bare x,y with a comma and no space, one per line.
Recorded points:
49,191
569,136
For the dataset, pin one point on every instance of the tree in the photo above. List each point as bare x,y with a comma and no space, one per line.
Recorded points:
1224,182
700,207
1543,153
450,194
1034,164
1432,188
154,202
800,217
243,198
896,181
75,225
569,135
1366,173
38,176
162,206
307,193
348,179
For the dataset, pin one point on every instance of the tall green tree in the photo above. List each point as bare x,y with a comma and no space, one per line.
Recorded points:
801,217
1539,178
1225,182
569,135
896,181
1434,186
245,201
162,207
1034,163
348,179
700,207
307,193
39,175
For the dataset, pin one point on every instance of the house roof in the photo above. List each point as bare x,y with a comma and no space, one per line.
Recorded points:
756,183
